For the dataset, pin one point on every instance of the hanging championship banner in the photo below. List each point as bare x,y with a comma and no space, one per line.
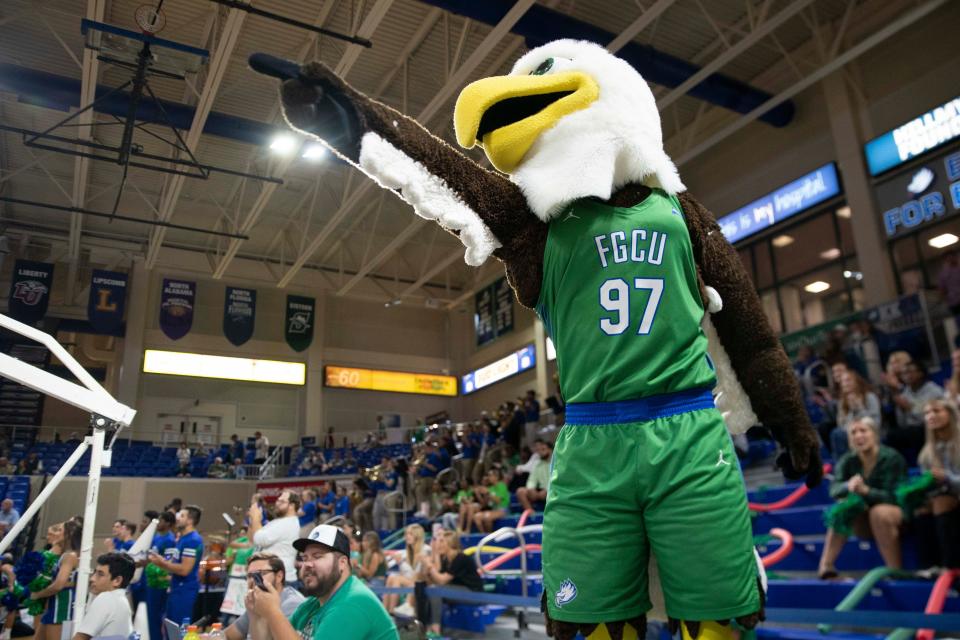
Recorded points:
239,313
108,297
300,318
30,290
176,307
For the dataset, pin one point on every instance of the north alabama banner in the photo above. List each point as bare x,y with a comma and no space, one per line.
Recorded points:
301,312
30,290
108,298
176,307
239,313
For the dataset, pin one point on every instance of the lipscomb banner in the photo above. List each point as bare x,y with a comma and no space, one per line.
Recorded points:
176,307
108,298
239,314
299,322
30,290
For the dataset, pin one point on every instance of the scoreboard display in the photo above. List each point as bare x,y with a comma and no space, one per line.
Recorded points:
395,381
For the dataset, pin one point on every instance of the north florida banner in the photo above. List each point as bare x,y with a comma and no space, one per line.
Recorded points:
30,290
239,314
299,322
108,298
176,307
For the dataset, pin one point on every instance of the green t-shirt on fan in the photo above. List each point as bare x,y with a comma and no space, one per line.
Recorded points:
353,613
621,301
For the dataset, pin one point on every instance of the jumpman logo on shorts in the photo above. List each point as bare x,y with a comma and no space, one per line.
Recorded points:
721,461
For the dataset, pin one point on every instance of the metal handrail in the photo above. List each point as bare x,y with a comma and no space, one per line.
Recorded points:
402,509
268,469
499,534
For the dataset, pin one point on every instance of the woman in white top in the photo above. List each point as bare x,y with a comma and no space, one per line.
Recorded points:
411,566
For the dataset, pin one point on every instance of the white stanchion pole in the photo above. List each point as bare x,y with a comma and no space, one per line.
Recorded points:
89,522
40,499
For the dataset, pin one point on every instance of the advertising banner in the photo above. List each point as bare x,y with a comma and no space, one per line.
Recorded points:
30,290
300,317
239,314
922,195
108,298
176,307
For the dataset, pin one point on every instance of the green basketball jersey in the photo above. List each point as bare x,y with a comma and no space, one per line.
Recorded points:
621,302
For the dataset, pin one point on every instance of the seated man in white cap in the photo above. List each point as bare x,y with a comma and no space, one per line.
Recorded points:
338,605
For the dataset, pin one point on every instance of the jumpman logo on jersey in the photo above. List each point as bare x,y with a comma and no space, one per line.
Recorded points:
721,461
570,215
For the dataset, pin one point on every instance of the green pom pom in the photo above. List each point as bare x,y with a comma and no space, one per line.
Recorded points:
912,494
840,516
157,578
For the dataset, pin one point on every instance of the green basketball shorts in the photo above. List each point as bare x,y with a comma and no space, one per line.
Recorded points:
651,475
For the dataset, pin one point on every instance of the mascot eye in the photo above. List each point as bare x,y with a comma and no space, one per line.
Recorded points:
545,66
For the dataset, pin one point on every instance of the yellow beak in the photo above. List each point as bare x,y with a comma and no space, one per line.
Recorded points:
510,112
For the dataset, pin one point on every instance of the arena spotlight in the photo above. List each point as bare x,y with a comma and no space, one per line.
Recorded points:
782,241
283,144
314,151
942,240
817,286
830,254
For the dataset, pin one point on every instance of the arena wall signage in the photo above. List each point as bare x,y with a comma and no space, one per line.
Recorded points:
299,321
239,314
177,300
494,311
921,195
922,134
108,299
394,381
30,290
502,369
201,365
806,191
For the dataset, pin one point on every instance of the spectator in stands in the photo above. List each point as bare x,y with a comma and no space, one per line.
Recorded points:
271,570
31,465
363,509
336,600
856,401
386,484
539,480
238,471
183,460
261,449
433,463
892,382
182,562
465,504
121,537
326,500
410,567
953,384
236,448
156,597
342,507
131,528
531,415
865,479
175,506
471,443
217,469
108,614
8,516
201,451
278,535
6,469
307,513
372,564
64,539
493,500
940,456
908,435
448,566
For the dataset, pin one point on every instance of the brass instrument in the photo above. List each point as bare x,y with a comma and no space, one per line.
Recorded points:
373,474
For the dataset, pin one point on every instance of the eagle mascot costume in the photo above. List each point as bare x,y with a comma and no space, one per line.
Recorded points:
659,333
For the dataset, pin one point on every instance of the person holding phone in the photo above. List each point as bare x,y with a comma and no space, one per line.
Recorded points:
261,569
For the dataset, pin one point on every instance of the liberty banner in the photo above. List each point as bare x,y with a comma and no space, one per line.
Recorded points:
108,298
239,314
176,307
299,322
30,290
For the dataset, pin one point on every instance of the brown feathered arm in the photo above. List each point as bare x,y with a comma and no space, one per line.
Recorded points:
757,357
324,105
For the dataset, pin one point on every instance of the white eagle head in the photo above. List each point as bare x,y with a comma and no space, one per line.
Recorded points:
570,120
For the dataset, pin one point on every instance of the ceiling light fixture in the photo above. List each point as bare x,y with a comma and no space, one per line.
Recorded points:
844,212
782,241
830,254
942,240
283,144
817,286
314,151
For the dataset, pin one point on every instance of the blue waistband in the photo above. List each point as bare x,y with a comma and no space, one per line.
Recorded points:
641,409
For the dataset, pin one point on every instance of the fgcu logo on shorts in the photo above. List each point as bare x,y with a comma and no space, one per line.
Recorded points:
29,292
566,593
